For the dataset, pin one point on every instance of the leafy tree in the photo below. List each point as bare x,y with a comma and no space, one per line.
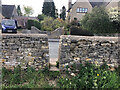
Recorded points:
28,10
113,13
114,17
56,13
97,21
19,10
49,8
63,13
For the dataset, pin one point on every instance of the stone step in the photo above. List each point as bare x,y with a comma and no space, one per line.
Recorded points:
52,68
52,63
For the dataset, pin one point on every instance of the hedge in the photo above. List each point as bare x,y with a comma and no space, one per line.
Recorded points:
75,30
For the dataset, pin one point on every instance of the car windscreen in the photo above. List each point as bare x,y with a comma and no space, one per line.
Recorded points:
8,22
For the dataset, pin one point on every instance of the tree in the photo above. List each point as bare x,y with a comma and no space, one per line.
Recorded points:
97,21
28,10
49,8
63,13
113,13
19,10
56,13
114,17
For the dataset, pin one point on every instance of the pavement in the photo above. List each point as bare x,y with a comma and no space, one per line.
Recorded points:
53,52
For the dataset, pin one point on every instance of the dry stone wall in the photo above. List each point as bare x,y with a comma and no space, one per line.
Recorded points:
97,50
25,50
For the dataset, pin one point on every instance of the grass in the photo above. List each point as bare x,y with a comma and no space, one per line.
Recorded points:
89,76
28,78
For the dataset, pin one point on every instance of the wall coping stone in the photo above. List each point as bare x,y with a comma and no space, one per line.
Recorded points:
100,38
40,35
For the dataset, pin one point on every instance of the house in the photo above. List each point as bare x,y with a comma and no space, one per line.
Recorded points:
9,11
22,20
81,7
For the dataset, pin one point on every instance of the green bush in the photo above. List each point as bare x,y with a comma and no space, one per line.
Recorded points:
34,23
30,23
37,24
91,76
50,24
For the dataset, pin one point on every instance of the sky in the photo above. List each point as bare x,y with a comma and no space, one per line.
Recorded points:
36,4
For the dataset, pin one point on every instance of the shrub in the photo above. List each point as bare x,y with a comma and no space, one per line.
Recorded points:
41,17
75,30
50,24
30,23
37,24
34,23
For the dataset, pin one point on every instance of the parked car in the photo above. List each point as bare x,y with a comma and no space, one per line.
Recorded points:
9,26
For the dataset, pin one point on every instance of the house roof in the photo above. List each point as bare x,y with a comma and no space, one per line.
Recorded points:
99,3
94,3
7,10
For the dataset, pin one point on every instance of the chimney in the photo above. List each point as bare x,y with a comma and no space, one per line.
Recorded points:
70,4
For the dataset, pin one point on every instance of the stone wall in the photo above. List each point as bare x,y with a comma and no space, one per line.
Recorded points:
97,50
26,50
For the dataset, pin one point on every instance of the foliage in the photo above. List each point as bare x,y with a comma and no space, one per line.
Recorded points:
74,30
74,23
113,13
30,23
28,10
88,76
19,10
13,77
33,23
98,21
56,13
57,64
91,76
41,17
49,8
114,17
29,78
37,24
63,13
50,24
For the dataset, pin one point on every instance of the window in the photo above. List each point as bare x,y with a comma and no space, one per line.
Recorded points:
86,10
82,10
78,9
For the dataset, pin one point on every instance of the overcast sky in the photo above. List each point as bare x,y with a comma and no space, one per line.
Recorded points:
36,4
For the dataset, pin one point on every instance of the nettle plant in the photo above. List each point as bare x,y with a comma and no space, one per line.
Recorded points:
91,76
